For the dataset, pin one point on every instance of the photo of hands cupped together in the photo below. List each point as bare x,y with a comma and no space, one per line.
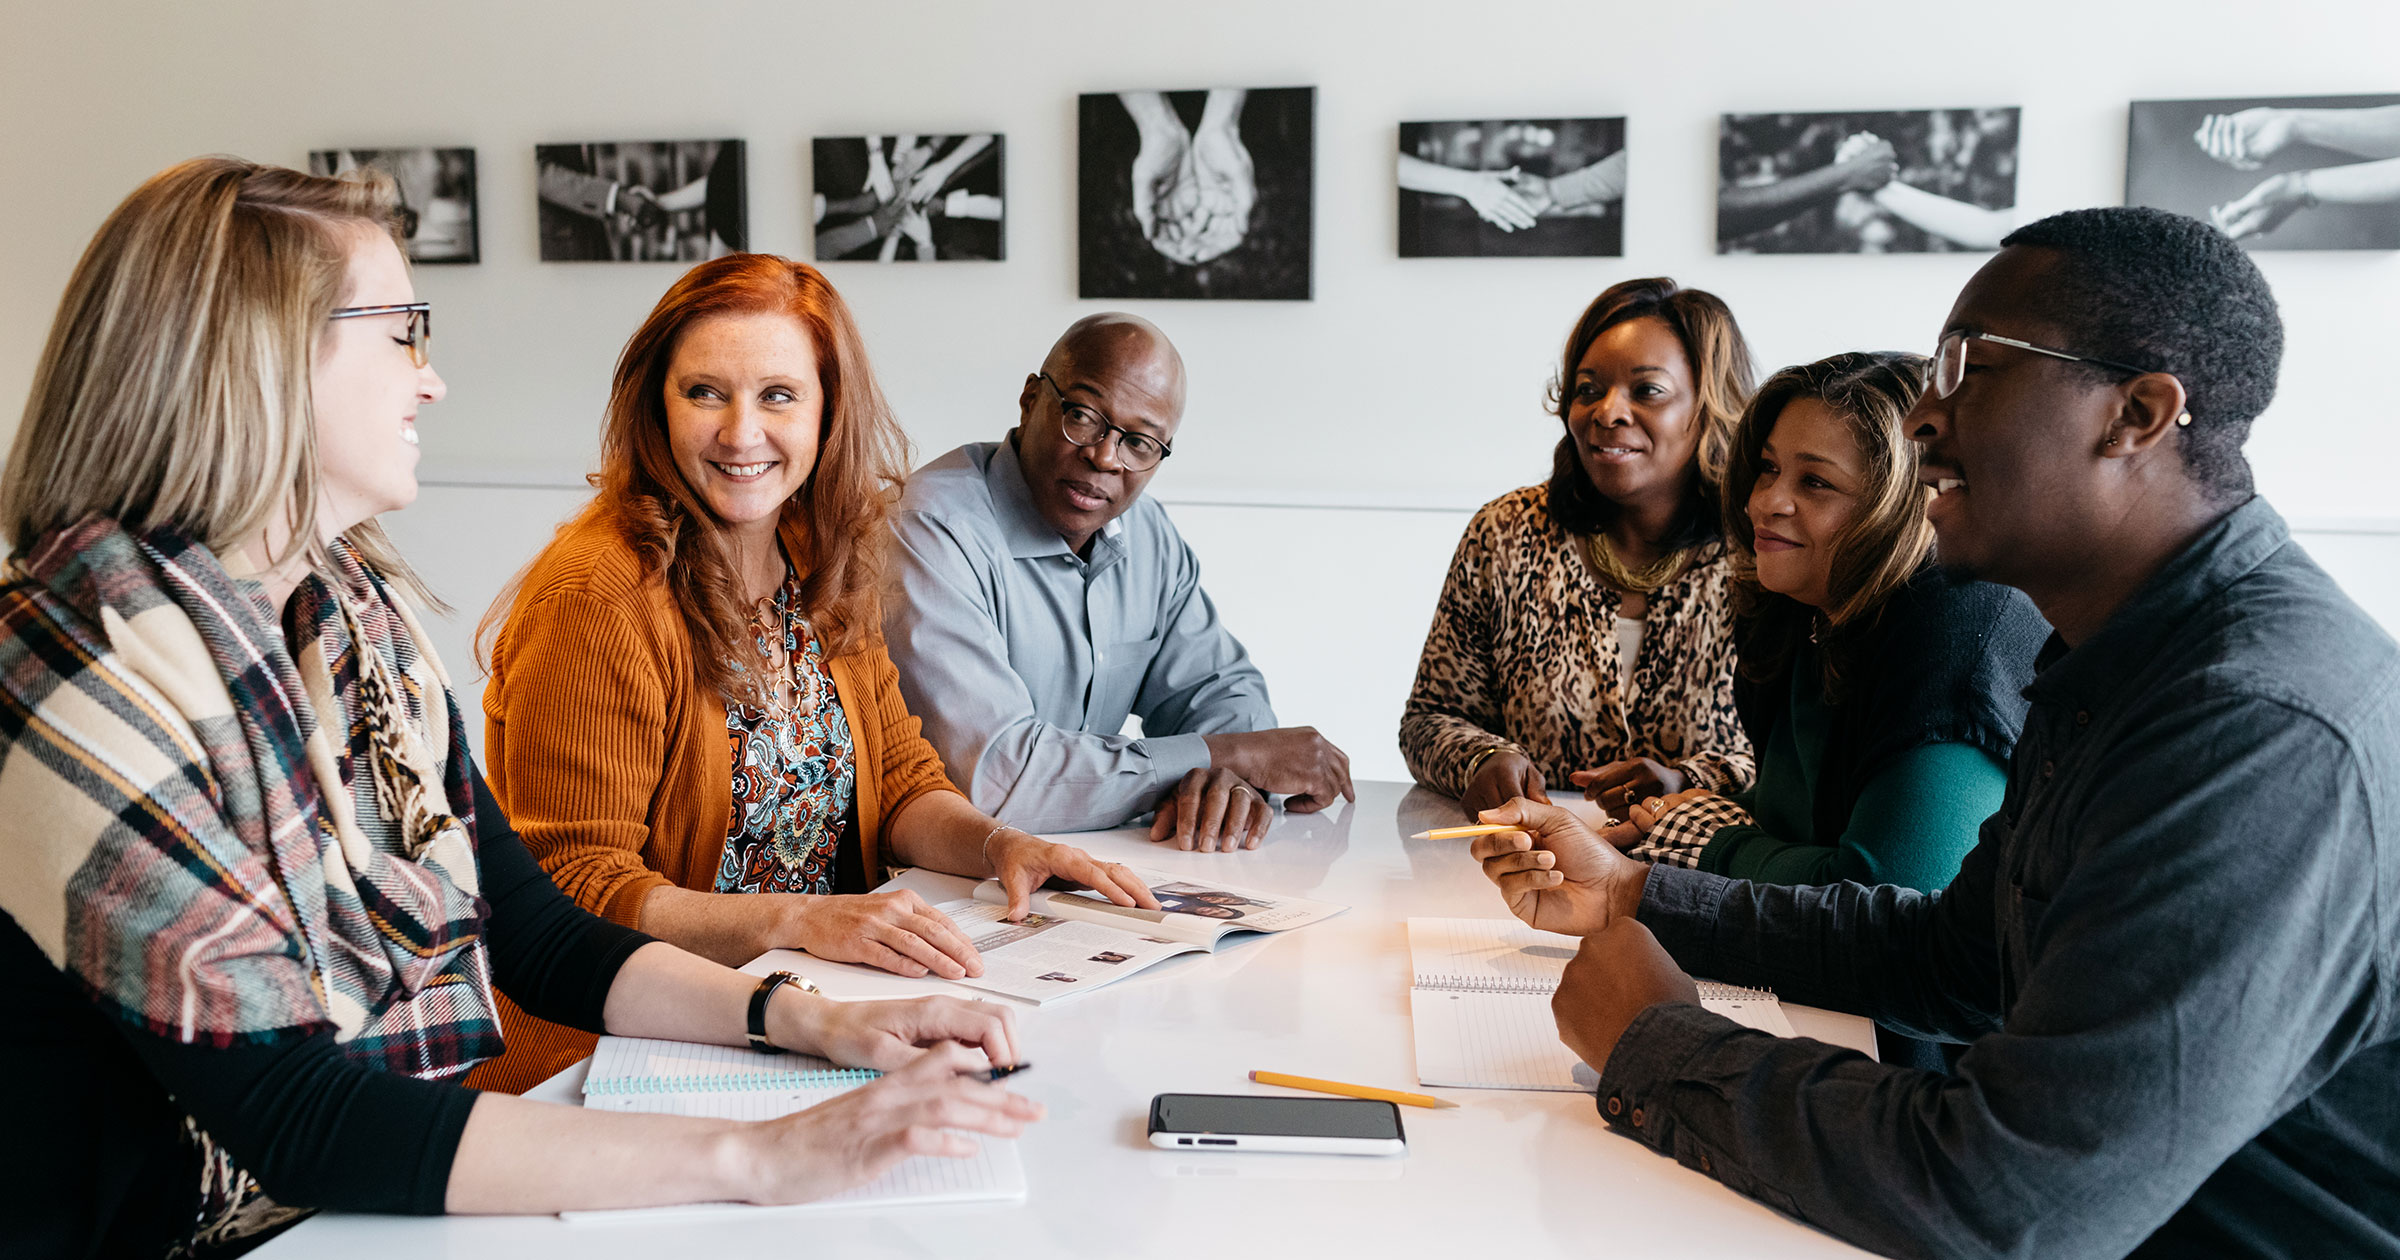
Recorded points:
1197,194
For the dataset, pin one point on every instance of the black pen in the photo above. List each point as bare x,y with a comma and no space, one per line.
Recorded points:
993,1074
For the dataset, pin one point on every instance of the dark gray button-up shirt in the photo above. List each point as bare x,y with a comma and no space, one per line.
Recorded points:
1024,659
2174,952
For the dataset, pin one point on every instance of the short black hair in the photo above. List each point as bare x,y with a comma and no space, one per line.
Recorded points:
2164,291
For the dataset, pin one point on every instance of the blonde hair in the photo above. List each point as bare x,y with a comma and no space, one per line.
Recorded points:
174,391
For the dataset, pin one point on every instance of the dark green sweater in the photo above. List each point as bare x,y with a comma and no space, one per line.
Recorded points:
1912,823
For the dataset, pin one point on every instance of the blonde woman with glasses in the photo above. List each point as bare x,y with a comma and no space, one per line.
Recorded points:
257,901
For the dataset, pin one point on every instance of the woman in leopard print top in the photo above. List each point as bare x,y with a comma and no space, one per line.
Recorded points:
1524,683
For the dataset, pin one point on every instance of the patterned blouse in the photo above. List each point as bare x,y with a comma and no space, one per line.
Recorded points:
1523,655
795,770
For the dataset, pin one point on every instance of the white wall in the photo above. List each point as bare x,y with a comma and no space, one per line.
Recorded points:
1407,384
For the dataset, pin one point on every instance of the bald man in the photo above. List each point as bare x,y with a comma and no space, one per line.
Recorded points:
1043,600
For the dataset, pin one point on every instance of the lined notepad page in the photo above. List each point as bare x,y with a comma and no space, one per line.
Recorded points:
738,1083
1489,1041
1480,1005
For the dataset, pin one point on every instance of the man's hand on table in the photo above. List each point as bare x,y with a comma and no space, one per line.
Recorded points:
1620,972
1223,806
1212,810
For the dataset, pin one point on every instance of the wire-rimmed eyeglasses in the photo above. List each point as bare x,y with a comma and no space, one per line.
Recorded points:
420,326
1950,359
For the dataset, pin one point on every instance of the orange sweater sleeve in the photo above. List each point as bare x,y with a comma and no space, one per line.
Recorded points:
911,767
576,732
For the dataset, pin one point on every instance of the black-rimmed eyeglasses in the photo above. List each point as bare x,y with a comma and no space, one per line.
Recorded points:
1950,359
1087,425
420,325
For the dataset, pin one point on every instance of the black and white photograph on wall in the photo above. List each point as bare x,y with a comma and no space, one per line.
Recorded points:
1197,194
1891,182
649,201
2282,172
1523,187
904,198
437,196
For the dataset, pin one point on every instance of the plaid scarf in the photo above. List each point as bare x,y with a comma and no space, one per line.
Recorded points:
182,835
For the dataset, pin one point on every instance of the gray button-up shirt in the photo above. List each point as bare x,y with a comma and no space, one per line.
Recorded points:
2175,951
1024,660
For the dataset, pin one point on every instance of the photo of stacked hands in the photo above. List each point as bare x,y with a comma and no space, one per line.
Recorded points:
1210,194
908,198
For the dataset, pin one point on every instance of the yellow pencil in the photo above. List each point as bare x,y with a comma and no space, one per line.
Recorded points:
1350,1091
1462,833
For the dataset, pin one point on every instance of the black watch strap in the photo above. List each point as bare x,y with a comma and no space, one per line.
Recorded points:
758,1007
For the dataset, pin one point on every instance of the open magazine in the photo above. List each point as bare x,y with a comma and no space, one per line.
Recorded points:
1075,942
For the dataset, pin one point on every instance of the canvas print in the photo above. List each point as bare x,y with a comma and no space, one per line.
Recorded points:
908,198
1530,187
2283,172
437,196
653,201
1197,194
1893,182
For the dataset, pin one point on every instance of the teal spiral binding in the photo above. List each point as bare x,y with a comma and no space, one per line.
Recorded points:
733,1082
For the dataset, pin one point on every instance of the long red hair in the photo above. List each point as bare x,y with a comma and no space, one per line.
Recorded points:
844,506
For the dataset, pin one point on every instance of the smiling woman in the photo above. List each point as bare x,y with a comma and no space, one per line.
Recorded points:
1883,696
1582,635
259,909
692,715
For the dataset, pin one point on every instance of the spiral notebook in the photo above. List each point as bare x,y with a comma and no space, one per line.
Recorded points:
737,1083
1480,1005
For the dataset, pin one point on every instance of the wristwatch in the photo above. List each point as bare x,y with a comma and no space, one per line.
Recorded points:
758,1006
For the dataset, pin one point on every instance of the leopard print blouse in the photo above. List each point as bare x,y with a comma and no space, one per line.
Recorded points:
1523,656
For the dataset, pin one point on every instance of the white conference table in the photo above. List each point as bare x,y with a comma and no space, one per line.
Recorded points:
1508,1174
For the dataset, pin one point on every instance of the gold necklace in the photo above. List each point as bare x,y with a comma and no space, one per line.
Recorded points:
1632,581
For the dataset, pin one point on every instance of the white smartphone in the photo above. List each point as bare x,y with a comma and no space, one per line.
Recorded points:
1249,1122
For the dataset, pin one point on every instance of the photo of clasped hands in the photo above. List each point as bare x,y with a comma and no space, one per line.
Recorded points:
1193,189
2247,139
1509,200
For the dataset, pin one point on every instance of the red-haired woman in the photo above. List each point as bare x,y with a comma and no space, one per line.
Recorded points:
692,719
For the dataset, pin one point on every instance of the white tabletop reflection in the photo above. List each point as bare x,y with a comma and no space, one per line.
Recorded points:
1507,1174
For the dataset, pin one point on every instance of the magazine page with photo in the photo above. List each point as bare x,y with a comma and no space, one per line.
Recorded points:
1047,958
1202,913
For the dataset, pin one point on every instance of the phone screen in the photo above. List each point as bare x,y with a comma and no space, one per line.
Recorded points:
1277,1117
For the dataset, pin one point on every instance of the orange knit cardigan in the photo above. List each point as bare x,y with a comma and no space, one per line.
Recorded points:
614,766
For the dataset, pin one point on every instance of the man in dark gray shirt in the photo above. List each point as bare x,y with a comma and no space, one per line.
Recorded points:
2174,956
